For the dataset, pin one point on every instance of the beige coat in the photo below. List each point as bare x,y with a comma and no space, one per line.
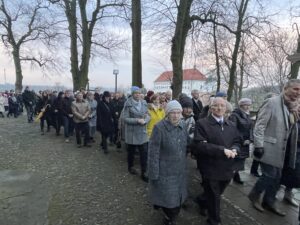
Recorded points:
81,111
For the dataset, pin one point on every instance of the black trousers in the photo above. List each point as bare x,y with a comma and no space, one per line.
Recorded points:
84,128
143,149
104,140
42,123
213,189
254,166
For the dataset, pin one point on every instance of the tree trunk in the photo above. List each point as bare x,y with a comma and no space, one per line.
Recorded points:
183,25
295,66
72,22
217,58
242,73
136,25
232,72
18,69
86,46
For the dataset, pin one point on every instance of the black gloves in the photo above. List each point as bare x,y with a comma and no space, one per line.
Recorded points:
258,152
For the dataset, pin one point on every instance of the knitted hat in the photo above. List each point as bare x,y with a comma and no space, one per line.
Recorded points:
135,89
172,105
221,94
245,101
150,93
186,102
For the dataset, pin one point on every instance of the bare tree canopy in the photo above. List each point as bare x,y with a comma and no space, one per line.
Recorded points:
23,23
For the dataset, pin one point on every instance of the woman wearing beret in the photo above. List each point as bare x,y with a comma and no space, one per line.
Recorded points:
241,118
167,163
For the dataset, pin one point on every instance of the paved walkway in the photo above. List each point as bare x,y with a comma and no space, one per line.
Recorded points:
86,187
237,194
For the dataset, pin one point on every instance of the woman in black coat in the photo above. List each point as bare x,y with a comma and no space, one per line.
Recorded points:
241,118
43,105
105,119
12,105
58,111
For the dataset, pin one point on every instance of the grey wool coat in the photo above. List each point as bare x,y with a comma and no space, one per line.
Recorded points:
167,164
135,133
272,130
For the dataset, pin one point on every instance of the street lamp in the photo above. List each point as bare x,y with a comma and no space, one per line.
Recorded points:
116,72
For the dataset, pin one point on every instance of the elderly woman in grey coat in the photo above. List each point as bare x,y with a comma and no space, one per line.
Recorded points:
135,116
93,115
167,163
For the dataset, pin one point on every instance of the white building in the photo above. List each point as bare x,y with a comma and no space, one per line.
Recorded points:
192,79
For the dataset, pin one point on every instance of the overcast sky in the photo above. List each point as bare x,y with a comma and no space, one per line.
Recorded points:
101,73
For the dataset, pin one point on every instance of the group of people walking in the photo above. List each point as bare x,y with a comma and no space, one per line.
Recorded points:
11,104
166,131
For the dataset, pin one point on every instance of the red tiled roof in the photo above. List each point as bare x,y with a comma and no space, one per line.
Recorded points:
188,74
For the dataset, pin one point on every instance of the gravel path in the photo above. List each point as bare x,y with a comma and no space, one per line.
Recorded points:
88,187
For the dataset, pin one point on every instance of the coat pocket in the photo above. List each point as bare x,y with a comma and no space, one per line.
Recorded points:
270,139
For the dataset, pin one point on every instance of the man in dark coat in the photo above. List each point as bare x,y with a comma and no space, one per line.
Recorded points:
29,102
216,144
118,105
197,104
105,119
67,115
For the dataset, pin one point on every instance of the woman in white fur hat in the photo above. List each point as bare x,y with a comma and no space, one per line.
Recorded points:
241,118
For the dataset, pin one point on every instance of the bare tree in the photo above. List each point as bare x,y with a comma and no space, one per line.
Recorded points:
295,66
89,30
183,25
136,26
270,67
21,25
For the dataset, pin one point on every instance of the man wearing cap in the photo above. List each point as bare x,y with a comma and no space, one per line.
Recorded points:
188,116
105,119
135,116
167,163
29,102
197,104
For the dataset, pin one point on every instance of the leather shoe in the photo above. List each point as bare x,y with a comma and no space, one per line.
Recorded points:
132,171
255,202
203,211
144,178
237,179
273,209
167,221
256,174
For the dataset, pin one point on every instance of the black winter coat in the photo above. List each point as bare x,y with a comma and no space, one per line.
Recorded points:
197,108
210,140
118,105
105,118
28,96
244,124
66,106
